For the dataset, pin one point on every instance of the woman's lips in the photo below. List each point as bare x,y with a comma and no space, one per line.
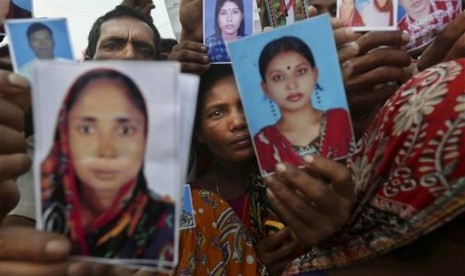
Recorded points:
294,97
241,142
105,174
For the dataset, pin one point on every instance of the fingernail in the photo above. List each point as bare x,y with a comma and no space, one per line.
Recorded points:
405,36
354,46
309,158
349,32
203,48
346,64
205,58
280,167
18,80
57,247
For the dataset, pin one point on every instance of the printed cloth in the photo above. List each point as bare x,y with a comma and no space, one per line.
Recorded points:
217,51
219,244
334,142
409,170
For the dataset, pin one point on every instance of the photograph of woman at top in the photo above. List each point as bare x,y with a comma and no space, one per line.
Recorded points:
230,21
93,187
289,78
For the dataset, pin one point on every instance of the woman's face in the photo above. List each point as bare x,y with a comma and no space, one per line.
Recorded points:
229,18
416,8
106,136
289,81
223,127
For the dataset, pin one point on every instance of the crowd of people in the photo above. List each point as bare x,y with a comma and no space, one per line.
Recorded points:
395,207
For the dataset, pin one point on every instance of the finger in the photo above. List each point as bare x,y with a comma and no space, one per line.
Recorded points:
11,115
363,104
372,40
347,51
189,67
443,43
11,141
189,56
458,50
9,197
289,203
32,269
313,192
347,69
75,268
303,229
312,11
380,57
15,88
343,36
13,165
190,45
26,244
337,23
375,77
274,241
339,176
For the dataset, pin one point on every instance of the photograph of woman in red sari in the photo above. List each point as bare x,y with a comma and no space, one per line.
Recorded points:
289,78
92,184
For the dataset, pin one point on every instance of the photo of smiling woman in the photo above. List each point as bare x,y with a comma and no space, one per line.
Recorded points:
229,25
93,187
289,77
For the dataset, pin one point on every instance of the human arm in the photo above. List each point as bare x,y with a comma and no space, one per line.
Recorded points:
192,55
313,209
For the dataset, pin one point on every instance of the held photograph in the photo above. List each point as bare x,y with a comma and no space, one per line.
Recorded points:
106,165
368,15
225,21
38,39
291,88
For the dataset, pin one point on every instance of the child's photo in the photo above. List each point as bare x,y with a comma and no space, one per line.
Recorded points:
38,39
106,161
291,87
225,21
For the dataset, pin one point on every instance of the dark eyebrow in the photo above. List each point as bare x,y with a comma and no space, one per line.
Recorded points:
87,119
125,120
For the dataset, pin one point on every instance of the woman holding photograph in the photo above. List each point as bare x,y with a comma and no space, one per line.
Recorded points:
289,78
93,185
349,14
229,26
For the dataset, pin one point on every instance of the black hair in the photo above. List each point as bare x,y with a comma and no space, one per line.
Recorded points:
37,26
215,73
219,4
118,12
283,44
85,79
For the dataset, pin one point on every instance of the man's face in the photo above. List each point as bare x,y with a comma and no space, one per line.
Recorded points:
125,38
323,6
42,44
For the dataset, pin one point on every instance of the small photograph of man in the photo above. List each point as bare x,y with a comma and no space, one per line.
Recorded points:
33,39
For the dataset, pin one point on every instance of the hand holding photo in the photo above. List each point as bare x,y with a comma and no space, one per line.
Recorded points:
225,21
301,109
95,181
